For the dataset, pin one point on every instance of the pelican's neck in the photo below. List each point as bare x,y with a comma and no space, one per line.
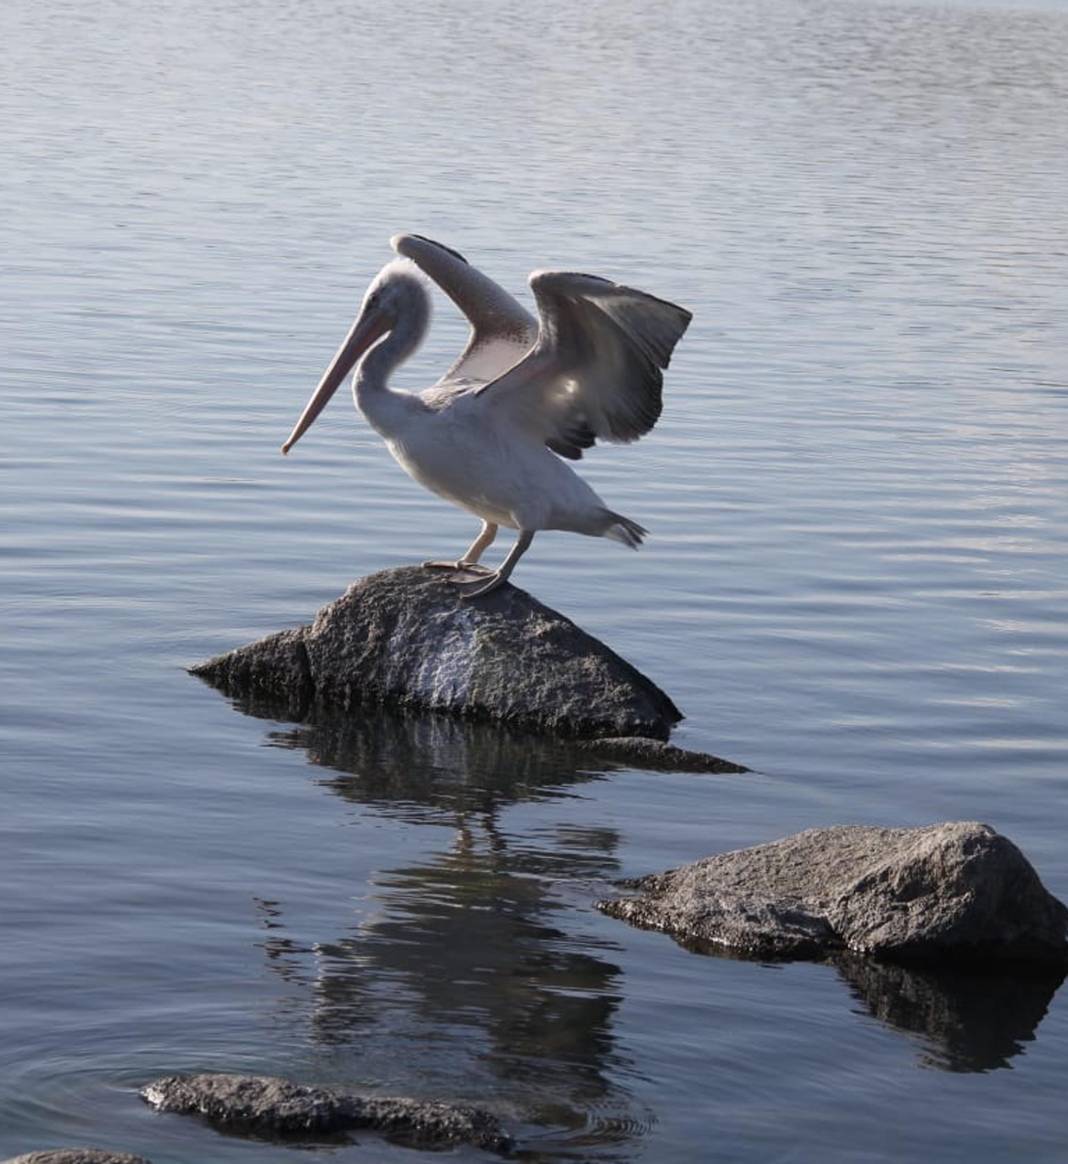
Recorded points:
385,407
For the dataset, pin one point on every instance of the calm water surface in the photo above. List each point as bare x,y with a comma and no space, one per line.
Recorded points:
856,582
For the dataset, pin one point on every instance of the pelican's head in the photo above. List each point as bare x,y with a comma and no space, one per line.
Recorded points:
397,291
397,304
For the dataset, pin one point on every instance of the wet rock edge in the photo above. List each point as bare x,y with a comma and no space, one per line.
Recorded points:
269,1107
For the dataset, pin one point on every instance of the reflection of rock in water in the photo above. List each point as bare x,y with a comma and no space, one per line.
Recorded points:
465,956
969,1021
393,762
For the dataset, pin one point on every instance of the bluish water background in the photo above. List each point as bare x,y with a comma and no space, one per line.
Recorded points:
856,582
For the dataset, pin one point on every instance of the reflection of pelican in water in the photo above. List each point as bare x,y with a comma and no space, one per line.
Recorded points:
490,435
468,966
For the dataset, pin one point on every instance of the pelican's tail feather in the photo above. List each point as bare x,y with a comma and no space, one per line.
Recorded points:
622,529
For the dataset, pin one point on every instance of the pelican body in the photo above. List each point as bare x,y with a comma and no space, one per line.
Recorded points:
492,434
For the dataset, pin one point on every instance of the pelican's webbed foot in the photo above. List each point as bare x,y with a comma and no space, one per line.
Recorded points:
468,564
495,580
504,571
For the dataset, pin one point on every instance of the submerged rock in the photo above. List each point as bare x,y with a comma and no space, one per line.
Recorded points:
406,638
76,1156
955,892
264,1106
656,756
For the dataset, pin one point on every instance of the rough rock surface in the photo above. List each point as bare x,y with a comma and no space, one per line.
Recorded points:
76,1156
264,1106
405,637
656,756
948,892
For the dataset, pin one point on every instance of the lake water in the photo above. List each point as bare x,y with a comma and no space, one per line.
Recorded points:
858,497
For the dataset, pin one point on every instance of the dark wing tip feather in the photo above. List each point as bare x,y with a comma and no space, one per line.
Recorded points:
606,345
571,441
397,241
579,275
564,450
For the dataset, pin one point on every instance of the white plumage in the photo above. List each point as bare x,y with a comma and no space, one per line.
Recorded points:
490,435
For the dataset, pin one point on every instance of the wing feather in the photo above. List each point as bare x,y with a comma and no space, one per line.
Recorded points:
502,330
596,369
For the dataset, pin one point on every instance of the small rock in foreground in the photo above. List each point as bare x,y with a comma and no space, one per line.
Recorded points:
76,1156
657,756
264,1106
955,892
406,638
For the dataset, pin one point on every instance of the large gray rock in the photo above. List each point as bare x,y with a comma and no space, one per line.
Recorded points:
406,638
949,892
76,1156
264,1106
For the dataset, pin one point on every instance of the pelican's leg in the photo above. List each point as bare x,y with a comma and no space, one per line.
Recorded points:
469,561
502,573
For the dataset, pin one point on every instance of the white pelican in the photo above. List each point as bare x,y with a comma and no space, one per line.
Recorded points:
490,434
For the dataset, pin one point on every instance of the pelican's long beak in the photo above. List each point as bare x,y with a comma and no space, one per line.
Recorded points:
365,331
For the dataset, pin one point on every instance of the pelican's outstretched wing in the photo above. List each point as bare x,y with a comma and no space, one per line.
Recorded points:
596,370
502,331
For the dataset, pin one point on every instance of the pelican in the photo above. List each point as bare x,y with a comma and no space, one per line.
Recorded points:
494,434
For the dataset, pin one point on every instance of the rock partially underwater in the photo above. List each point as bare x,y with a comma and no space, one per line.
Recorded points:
271,1108
76,1156
954,893
406,638
655,755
